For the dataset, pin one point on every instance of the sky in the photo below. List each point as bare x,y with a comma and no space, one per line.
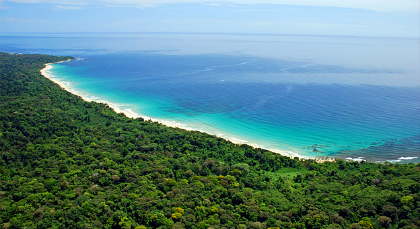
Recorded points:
393,18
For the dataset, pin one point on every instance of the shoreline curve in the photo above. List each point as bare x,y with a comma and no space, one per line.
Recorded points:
131,114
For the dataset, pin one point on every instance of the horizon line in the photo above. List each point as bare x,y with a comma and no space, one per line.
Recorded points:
221,33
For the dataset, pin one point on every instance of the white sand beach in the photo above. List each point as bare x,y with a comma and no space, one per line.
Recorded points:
131,114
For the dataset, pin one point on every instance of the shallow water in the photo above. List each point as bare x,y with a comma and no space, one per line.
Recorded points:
315,96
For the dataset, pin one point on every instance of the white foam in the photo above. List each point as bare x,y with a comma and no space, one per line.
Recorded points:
359,159
393,161
401,159
407,158
287,153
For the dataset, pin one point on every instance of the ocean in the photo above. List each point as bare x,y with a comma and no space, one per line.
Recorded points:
356,98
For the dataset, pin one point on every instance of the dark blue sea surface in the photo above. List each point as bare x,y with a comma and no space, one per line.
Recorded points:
342,97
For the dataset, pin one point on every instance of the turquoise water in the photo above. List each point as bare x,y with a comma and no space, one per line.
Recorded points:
312,96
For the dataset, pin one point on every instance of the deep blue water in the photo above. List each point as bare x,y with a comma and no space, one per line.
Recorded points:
343,96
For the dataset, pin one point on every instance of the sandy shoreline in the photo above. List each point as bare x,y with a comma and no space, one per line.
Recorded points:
131,114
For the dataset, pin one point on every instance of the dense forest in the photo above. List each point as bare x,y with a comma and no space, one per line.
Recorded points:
68,163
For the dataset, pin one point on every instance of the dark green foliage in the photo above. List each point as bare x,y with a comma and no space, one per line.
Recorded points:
67,163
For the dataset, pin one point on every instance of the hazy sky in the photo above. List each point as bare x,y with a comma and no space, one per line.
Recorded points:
323,17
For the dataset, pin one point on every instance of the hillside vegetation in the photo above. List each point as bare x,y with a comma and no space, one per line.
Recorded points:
68,163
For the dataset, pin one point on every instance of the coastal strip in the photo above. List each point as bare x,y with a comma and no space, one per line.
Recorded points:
131,114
